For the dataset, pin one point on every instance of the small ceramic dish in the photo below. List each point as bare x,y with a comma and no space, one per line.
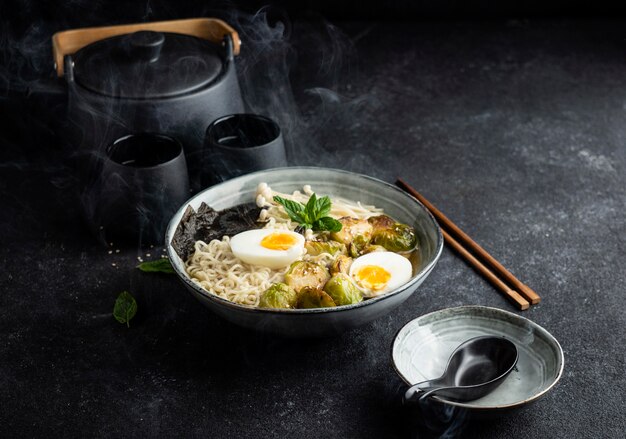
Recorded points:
422,347
316,321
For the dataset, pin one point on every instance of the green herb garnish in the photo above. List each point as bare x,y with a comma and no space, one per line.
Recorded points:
158,266
125,308
313,215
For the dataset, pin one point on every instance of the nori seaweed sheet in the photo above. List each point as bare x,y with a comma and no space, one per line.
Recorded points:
207,224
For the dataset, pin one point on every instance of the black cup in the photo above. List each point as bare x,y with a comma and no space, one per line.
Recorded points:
142,183
242,143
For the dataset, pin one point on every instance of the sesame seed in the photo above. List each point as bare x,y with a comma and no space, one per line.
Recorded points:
117,250
110,251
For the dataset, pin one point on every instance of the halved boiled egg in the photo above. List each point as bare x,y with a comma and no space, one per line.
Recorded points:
379,272
268,247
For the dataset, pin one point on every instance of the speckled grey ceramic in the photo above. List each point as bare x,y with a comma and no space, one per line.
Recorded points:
321,321
422,347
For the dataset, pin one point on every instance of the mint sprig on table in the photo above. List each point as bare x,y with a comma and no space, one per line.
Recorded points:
157,266
125,308
313,215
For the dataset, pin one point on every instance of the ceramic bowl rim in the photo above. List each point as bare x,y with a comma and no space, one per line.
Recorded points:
469,405
248,309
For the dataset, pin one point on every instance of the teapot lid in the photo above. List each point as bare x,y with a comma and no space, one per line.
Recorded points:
147,65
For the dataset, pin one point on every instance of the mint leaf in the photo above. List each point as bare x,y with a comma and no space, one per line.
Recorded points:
158,266
322,207
310,212
294,209
327,224
311,216
125,308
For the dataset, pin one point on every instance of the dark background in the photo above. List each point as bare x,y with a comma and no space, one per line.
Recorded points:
509,116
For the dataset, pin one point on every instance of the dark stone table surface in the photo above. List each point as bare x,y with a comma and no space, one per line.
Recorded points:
515,129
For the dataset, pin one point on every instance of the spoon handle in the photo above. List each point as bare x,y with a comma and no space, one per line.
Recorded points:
414,393
429,392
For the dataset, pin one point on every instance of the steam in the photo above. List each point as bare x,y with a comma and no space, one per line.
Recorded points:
442,421
276,78
264,68
284,83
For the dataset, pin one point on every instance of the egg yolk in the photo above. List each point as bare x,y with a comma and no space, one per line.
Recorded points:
278,241
373,277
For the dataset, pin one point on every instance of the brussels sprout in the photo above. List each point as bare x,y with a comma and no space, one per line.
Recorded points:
381,222
357,246
341,265
343,291
398,238
278,295
306,274
352,228
315,248
314,298
372,248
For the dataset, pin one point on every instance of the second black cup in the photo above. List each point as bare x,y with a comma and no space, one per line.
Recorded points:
242,143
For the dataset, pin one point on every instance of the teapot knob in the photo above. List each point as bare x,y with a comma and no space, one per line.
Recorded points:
146,45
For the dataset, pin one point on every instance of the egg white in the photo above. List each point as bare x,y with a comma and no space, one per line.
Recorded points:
397,266
247,247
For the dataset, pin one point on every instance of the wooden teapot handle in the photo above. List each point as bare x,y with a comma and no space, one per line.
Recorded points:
70,41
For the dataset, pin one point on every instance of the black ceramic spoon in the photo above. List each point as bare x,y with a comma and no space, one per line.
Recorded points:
474,369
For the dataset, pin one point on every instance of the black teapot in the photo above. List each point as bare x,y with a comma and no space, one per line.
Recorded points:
171,77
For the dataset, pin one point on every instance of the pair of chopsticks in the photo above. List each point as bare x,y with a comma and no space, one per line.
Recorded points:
473,253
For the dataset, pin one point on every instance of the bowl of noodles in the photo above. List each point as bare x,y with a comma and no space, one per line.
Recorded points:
303,251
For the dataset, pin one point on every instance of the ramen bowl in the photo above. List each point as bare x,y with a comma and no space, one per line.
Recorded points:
335,183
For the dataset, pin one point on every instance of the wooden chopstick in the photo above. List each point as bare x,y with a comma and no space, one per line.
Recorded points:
523,289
